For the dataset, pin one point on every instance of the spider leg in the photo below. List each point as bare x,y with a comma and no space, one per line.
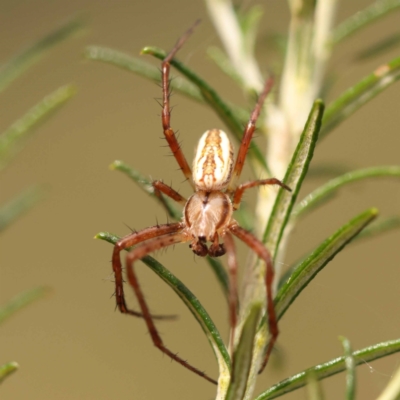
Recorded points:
248,134
166,110
233,291
127,242
237,196
161,187
138,253
258,247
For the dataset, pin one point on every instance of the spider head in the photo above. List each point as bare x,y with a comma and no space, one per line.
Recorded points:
213,162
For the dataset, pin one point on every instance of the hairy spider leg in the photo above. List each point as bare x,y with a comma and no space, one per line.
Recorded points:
166,111
161,187
237,196
137,253
248,134
125,243
258,247
233,286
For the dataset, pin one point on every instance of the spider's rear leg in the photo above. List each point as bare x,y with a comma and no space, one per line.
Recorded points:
138,253
258,247
125,243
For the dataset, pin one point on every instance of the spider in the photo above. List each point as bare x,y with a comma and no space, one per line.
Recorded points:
207,223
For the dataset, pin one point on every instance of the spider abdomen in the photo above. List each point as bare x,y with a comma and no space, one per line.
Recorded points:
212,165
207,213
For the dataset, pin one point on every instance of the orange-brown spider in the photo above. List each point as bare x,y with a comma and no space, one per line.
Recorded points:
207,215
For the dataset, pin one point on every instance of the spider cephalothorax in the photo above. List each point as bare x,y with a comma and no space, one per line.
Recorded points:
207,222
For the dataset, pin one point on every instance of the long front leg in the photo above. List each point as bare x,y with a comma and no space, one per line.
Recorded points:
136,254
258,247
237,196
166,111
125,243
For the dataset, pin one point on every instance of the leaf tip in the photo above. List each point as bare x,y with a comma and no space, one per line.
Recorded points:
115,164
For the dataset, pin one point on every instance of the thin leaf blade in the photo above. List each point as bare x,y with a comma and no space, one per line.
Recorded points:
7,369
318,259
330,188
21,301
13,68
243,356
11,138
294,178
363,18
359,94
330,368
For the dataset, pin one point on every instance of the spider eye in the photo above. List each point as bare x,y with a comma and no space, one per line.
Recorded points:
212,165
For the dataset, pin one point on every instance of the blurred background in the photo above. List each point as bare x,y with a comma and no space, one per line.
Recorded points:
73,344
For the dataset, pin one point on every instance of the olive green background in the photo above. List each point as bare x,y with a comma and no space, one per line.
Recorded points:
73,344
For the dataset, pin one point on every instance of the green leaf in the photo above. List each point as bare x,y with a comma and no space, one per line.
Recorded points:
359,94
379,227
330,368
210,96
376,49
10,70
146,185
294,177
243,356
22,300
318,259
350,368
192,303
374,229
19,206
7,369
363,18
142,68
330,188
10,140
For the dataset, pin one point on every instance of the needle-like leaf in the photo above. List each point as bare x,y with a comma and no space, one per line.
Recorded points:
7,369
318,259
294,178
11,69
363,18
359,94
326,191
330,368
350,369
243,355
19,206
20,301
11,139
